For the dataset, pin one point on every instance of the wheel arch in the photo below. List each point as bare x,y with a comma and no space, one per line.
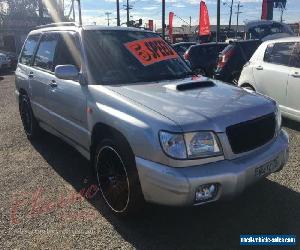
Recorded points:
244,85
101,131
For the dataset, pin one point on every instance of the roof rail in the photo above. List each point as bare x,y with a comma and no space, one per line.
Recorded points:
56,25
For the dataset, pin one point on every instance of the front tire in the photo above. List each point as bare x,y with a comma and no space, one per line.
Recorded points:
30,124
117,177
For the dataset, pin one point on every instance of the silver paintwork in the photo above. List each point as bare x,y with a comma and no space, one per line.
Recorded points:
139,112
177,186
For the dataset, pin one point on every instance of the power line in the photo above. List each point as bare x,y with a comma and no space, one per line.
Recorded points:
107,17
237,17
230,17
128,8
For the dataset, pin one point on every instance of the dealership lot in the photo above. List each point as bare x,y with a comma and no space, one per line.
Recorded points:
40,205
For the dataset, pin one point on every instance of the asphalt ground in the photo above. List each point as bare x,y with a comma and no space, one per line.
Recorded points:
41,207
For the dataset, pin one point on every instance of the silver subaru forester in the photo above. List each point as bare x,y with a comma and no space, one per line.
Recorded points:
154,131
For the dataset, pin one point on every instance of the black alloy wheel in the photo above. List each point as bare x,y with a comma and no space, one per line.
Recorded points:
30,124
113,179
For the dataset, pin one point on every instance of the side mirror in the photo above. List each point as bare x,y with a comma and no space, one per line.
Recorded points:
67,72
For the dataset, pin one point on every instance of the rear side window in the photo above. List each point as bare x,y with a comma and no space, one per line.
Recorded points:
295,61
279,53
44,58
28,50
268,53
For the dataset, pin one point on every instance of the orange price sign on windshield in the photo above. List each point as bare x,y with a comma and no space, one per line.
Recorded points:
151,50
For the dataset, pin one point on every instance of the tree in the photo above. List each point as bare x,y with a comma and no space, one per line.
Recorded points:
19,7
32,8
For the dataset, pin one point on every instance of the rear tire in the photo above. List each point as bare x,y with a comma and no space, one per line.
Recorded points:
30,124
235,79
117,177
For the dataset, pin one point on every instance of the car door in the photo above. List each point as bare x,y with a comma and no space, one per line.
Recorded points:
42,75
67,98
24,72
293,90
272,69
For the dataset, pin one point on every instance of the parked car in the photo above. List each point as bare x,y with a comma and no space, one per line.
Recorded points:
4,62
233,58
182,47
153,130
274,70
203,57
265,30
13,57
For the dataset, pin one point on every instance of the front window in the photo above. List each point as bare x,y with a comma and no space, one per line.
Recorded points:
44,58
112,58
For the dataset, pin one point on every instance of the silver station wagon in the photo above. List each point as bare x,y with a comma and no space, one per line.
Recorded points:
153,130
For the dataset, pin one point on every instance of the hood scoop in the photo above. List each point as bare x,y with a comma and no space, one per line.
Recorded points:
190,85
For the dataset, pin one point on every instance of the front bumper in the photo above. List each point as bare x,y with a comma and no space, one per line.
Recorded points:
177,186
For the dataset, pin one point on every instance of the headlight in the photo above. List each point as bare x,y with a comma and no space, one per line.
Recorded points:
201,144
173,144
190,145
278,117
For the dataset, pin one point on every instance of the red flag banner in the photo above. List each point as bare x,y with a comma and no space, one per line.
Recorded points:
264,13
204,24
150,25
171,17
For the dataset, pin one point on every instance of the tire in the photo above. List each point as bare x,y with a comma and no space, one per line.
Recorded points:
30,124
117,177
235,79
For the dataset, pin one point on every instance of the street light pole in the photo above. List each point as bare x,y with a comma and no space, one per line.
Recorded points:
237,17
218,20
230,17
128,15
163,18
118,13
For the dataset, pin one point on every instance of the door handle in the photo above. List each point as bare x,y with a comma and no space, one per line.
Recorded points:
30,75
53,84
259,68
296,74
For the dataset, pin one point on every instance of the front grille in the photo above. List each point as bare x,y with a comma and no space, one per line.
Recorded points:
249,135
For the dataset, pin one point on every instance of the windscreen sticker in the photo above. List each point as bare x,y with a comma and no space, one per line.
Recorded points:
151,50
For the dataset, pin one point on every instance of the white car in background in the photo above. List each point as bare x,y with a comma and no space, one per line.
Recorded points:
274,70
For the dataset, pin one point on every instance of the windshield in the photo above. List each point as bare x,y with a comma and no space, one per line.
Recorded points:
113,58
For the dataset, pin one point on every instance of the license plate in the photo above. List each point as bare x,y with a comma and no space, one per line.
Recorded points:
266,168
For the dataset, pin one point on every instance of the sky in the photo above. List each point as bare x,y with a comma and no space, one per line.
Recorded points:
94,11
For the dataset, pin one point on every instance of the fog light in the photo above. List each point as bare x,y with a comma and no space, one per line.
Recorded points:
206,192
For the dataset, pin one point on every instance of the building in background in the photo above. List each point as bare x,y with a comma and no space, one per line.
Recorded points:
19,17
190,33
